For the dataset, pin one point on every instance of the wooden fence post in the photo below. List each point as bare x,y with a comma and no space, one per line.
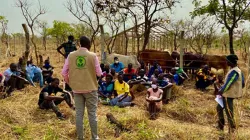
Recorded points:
181,49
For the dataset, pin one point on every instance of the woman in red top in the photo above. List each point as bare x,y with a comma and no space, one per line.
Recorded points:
129,72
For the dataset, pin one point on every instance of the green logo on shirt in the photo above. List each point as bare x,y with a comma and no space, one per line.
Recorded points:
80,62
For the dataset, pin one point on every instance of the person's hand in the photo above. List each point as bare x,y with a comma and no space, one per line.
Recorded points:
220,93
66,80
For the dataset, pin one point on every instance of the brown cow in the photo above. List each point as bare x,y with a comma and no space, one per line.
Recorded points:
216,61
164,59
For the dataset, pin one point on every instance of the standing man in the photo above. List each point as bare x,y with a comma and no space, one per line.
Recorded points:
80,71
68,47
231,90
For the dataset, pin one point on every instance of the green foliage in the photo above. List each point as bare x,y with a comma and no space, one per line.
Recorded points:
61,30
144,132
80,30
227,13
20,131
51,134
3,19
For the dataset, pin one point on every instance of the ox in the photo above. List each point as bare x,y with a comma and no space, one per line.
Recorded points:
164,59
124,59
216,61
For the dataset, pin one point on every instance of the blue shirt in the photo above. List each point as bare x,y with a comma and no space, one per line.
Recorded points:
162,83
119,67
152,70
32,69
231,78
176,79
106,89
8,73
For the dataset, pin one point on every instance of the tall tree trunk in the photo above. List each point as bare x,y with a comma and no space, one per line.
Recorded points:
231,47
27,48
146,34
45,43
175,42
34,44
126,39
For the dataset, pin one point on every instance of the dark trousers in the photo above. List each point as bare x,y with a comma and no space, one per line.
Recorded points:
228,106
202,84
14,83
67,87
52,104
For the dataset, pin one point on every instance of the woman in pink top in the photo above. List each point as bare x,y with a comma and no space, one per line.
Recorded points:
154,99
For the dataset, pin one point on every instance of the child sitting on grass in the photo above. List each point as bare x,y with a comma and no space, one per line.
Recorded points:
154,99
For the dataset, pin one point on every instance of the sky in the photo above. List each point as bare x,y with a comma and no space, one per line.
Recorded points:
57,11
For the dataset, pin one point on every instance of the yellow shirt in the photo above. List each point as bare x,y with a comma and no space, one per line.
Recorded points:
121,88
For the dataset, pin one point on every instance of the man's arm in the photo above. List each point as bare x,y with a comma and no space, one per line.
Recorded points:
59,50
147,97
65,71
98,69
232,77
48,97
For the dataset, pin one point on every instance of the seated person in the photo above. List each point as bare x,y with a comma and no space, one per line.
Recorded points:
106,69
204,78
106,88
154,99
180,75
118,66
102,66
155,75
34,74
114,74
139,84
1,83
47,71
165,85
19,64
13,80
49,100
123,97
142,66
129,73
153,68
218,84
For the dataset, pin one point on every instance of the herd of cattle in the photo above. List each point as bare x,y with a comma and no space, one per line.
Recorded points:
167,61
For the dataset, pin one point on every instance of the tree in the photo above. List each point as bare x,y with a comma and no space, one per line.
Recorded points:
31,18
227,12
43,25
60,30
81,29
86,12
145,10
200,34
5,36
114,23
174,28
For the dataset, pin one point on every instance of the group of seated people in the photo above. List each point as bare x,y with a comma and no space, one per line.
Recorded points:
118,85
16,78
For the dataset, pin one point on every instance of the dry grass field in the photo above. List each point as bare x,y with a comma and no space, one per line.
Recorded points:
191,115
